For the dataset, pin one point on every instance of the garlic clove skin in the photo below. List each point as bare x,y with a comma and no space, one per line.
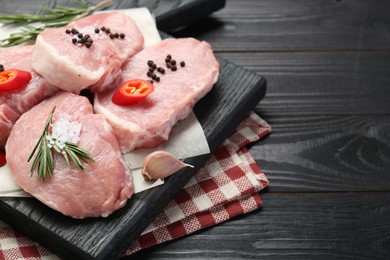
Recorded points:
161,164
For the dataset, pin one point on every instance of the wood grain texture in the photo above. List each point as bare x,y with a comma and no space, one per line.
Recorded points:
283,25
321,83
326,153
327,65
293,226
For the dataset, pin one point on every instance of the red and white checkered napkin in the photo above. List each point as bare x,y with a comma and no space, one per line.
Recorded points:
227,186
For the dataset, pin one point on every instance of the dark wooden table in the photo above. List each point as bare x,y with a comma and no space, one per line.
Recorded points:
327,63
328,159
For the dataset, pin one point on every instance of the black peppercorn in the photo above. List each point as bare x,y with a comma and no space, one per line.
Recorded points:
74,40
74,31
88,44
150,81
1,67
122,35
149,74
103,28
150,63
173,62
173,68
161,70
112,36
97,30
67,31
182,64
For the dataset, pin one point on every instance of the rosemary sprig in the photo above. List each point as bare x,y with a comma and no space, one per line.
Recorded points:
44,157
50,17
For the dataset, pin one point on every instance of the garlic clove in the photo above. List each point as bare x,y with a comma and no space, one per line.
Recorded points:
161,164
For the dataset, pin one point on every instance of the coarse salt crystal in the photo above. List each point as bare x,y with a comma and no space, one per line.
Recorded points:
63,130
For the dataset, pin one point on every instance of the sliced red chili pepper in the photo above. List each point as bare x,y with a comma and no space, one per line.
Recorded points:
2,158
14,79
132,92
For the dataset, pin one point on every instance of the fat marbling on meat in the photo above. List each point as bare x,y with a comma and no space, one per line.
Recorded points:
14,103
103,187
149,122
73,67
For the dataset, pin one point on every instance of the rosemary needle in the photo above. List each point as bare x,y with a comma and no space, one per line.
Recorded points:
50,17
44,158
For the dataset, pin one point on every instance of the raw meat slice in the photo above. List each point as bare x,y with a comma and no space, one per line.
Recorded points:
104,186
14,103
148,123
73,67
7,119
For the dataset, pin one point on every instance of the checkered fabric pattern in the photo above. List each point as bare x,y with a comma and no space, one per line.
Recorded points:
227,186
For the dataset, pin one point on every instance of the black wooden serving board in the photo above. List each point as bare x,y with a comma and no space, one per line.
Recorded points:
236,93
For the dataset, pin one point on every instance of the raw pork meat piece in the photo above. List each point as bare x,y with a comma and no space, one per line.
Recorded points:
148,123
104,186
73,67
7,119
14,103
